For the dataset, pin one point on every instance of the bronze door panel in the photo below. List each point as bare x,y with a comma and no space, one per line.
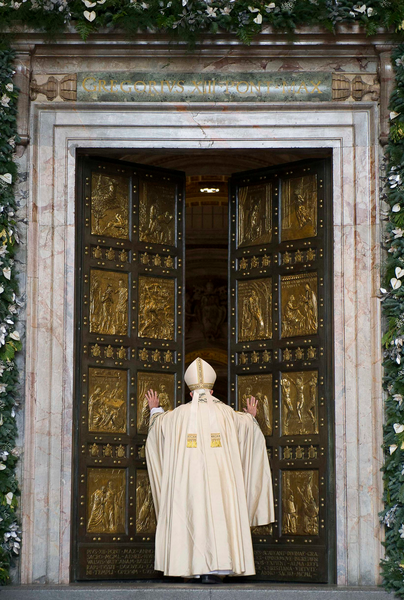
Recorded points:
129,313
259,386
254,309
109,292
110,205
299,402
300,503
299,307
299,207
255,215
281,352
156,308
157,212
106,500
107,400
164,385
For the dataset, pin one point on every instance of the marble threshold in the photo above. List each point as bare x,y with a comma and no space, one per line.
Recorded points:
177,591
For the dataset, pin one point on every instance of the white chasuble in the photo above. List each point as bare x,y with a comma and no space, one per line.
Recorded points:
207,496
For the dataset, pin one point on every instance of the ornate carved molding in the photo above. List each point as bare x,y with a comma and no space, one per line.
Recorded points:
61,87
355,87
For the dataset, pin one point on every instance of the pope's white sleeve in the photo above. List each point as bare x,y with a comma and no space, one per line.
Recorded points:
157,409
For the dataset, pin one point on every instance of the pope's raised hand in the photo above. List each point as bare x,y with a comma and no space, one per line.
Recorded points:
251,406
152,399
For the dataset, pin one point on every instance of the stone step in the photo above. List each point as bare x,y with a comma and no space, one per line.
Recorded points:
186,591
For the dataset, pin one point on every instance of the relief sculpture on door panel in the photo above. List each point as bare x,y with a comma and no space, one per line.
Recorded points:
163,384
110,205
156,308
299,392
259,386
254,215
254,305
145,514
300,502
108,302
106,500
299,305
157,213
107,400
299,207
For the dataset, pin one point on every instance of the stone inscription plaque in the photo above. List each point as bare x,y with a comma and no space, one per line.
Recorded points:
297,565
116,563
112,86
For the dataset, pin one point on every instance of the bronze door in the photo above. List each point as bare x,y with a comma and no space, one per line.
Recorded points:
281,351
129,338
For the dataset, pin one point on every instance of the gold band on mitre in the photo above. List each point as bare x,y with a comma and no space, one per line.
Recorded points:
198,386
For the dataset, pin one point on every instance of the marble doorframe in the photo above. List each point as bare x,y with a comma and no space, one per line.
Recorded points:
57,131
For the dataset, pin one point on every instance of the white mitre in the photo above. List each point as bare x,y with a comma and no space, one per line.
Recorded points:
200,375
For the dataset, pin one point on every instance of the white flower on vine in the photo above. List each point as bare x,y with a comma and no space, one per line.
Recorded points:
398,398
9,87
184,2
360,9
226,10
90,16
401,531
2,466
5,100
89,4
394,115
393,448
396,208
6,177
395,283
270,6
400,61
7,273
15,336
394,180
211,11
398,233
398,428
370,11
258,19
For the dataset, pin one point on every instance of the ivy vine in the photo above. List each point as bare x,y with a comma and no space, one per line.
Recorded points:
9,307
189,19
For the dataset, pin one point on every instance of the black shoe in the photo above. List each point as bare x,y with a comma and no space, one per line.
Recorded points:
211,579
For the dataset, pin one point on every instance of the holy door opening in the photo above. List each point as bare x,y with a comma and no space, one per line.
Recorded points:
223,255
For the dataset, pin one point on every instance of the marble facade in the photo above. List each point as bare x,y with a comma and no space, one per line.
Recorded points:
55,130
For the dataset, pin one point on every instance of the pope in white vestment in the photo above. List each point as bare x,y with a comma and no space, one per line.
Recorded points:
210,479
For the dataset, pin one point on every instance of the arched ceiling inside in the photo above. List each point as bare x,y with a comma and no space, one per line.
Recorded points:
211,162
